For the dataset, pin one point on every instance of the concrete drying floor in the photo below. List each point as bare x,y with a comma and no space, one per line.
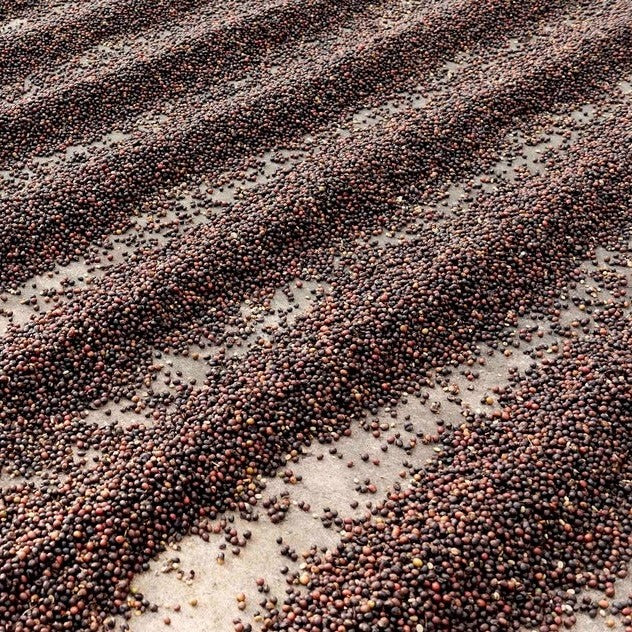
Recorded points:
197,591
203,586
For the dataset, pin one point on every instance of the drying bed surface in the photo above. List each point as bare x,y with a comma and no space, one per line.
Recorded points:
314,315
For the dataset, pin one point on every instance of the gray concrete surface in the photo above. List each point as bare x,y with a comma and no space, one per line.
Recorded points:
194,586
